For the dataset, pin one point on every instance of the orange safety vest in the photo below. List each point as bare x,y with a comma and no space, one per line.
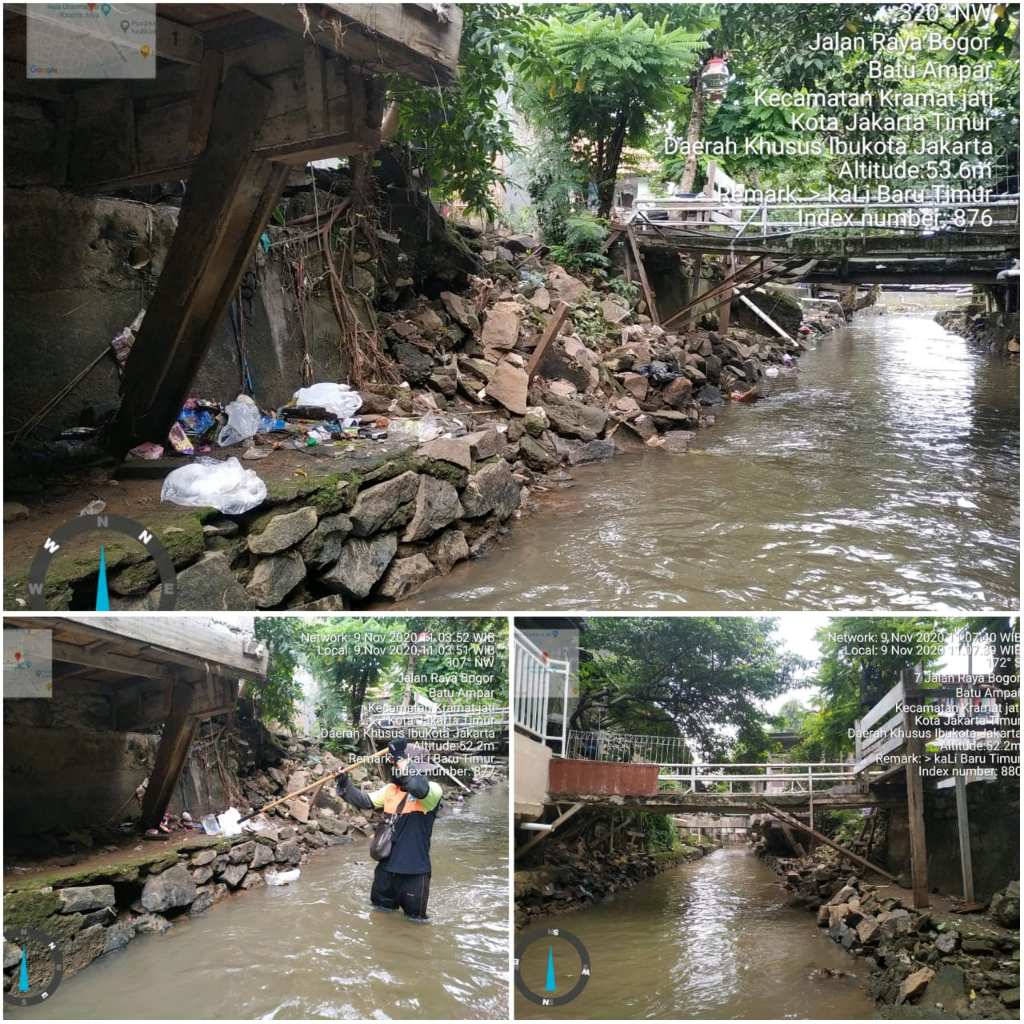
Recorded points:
393,797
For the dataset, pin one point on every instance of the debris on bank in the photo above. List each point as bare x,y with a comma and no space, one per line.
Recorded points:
506,380
993,332
141,888
573,876
937,961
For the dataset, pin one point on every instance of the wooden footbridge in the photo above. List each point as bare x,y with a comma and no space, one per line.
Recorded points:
954,236
917,737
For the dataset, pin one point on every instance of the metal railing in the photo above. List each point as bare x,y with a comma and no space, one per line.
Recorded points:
625,747
780,777
537,681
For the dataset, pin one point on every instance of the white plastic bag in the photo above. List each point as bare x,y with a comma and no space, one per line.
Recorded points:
243,421
225,486
337,399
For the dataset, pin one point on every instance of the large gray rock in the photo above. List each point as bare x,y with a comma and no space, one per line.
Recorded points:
536,455
361,563
501,329
509,386
203,857
334,826
84,948
275,577
242,853
447,549
283,532
456,450
210,585
234,873
203,901
174,887
81,898
151,924
483,444
202,874
949,988
289,852
437,505
376,505
573,419
592,451
262,855
323,545
460,310
119,935
1005,906
492,489
405,576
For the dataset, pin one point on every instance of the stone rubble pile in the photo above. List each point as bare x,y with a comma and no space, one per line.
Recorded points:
956,965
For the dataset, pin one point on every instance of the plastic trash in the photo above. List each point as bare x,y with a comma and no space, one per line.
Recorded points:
228,822
243,421
94,508
337,399
148,450
274,877
226,486
209,825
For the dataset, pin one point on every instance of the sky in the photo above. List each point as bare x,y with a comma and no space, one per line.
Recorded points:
797,630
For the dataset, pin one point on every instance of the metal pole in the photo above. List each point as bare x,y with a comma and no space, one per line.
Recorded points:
963,831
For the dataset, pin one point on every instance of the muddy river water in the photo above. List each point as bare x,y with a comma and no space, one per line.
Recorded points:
315,949
712,939
882,472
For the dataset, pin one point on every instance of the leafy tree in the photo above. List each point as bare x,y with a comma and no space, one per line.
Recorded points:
702,678
597,82
274,699
454,135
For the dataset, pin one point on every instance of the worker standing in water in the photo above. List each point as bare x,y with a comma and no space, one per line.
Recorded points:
402,877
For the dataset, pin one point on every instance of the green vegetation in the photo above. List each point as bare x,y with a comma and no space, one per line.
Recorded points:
353,660
702,678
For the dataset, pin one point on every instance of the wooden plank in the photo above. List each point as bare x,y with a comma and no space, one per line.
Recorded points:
316,96
652,309
191,641
107,662
550,332
179,42
405,38
725,309
964,834
179,731
914,750
541,836
822,838
887,703
206,97
759,312
231,193
698,267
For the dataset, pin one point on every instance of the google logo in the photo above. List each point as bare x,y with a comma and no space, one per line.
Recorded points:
36,70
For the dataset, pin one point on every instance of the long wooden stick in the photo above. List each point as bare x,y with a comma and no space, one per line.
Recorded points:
797,823
319,782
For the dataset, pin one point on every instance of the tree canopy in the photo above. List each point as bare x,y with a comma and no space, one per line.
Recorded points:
702,678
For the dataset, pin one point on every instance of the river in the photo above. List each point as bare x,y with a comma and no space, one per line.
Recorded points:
883,472
315,949
712,939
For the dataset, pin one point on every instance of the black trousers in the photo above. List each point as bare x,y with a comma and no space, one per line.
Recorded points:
408,892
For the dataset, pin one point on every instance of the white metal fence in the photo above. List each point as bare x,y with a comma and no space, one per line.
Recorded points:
539,682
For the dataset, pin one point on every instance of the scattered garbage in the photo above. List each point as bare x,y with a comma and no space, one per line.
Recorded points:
243,421
337,399
209,825
94,508
148,450
226,486
281,877
253,453
228,822
179,440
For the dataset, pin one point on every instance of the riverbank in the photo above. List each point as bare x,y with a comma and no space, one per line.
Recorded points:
129,887
995,333
935,961
712,939
351,523
573,877
316,949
